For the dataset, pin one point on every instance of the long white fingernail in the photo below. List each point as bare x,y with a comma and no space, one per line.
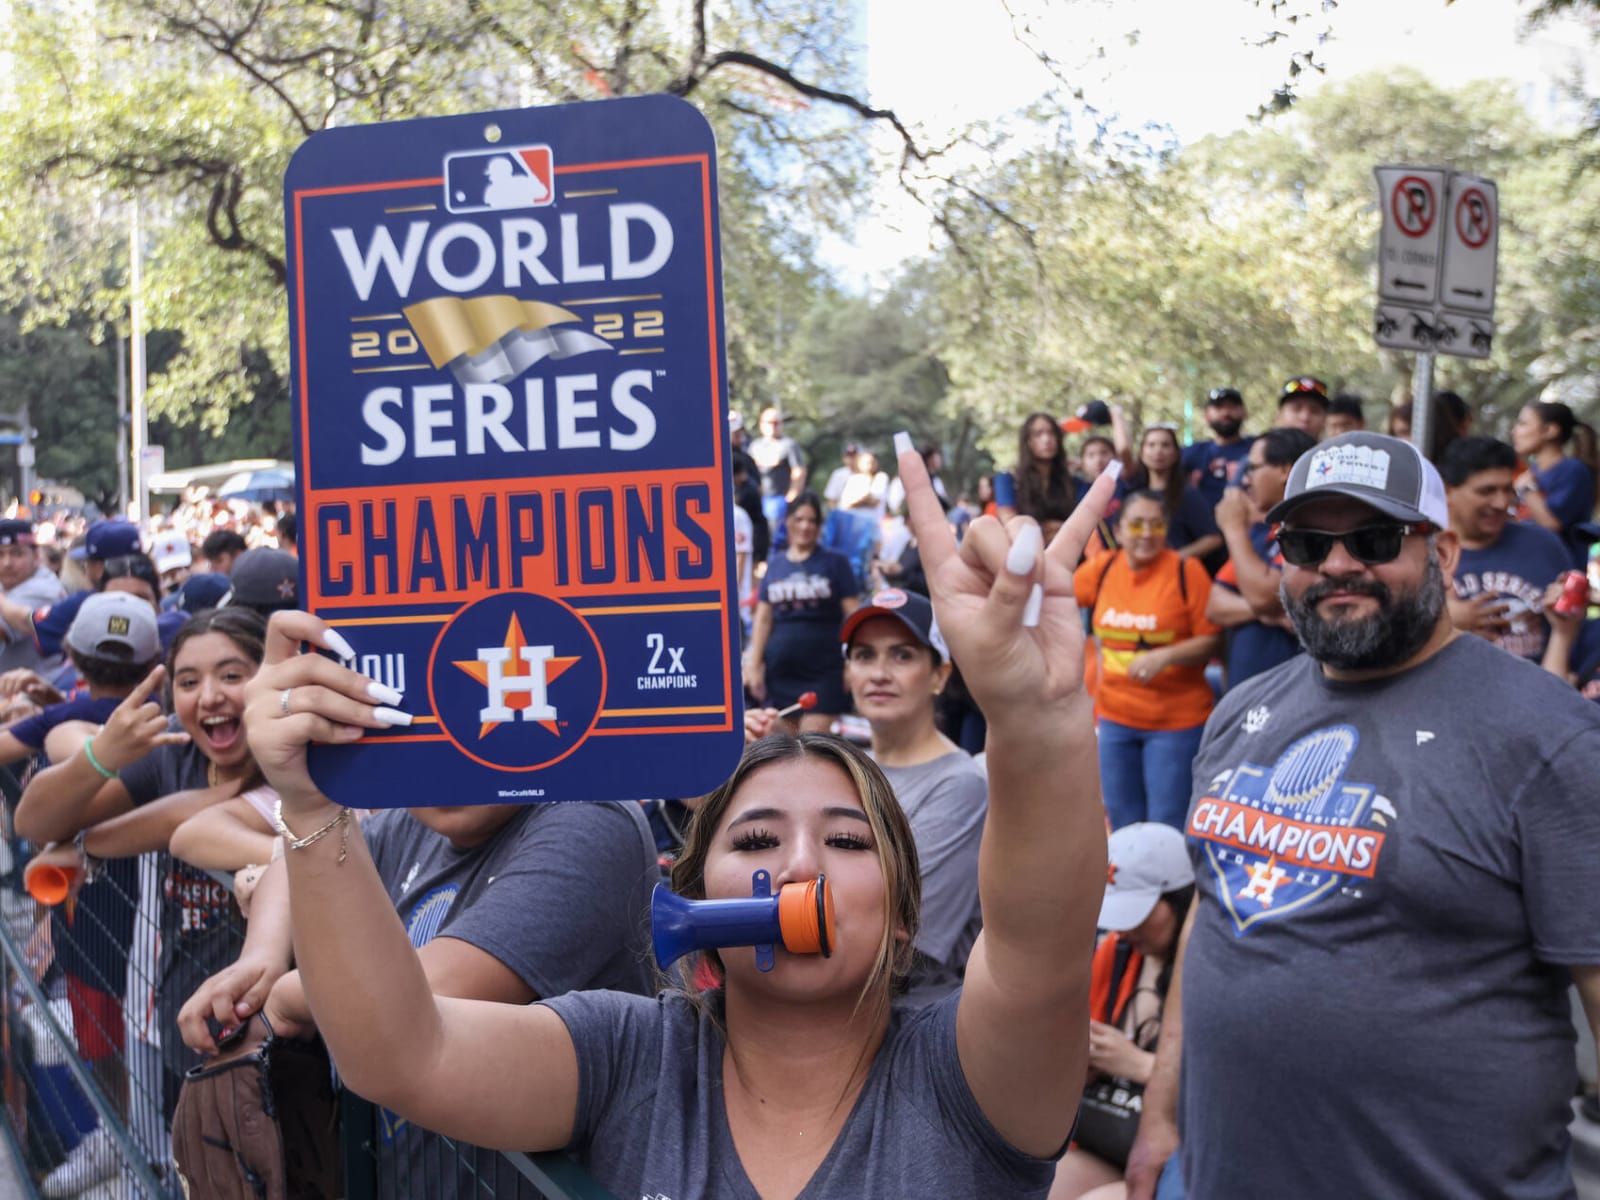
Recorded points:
1024,551
384,694
1113,468
1030,610
391,716
1036,600
902,443
333,640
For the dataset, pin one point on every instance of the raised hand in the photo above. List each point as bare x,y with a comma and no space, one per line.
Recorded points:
137,727
982,591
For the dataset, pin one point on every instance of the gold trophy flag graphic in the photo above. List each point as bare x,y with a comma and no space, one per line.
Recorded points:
493,339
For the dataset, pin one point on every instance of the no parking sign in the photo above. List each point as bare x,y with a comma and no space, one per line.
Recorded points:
510,425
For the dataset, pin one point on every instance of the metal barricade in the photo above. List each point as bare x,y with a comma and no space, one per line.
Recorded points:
91,1063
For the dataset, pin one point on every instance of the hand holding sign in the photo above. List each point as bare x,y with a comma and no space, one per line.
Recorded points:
296,699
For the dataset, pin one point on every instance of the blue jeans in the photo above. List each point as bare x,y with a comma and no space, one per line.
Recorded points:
1145,773
1170,1185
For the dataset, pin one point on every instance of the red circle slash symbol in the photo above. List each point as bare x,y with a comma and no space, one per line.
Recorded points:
1413,205
1474,223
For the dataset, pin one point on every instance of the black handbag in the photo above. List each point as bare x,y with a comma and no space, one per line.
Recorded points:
1108,1119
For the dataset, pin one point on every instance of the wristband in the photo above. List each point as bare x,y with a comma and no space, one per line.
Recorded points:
88,750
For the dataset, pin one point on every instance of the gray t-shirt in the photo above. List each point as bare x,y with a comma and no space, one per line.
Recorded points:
651,1120
18,649
945,800
1392,875
560,894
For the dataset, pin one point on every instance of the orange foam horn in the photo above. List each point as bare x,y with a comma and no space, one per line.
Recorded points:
48,883
805,917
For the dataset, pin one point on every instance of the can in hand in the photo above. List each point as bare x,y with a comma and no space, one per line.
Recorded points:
1574,596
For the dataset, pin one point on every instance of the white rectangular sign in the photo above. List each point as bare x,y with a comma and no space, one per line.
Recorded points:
1471,235
1410,246
1403,327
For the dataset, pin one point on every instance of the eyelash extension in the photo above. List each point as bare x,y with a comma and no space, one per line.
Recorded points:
850,841
755,839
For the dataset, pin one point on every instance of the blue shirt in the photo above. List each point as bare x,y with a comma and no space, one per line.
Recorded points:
1568,489
1212,469
31,731
1518,568
1256,647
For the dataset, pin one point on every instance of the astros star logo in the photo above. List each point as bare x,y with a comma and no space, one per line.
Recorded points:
516,676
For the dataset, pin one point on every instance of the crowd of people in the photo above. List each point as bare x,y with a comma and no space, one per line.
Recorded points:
1252,660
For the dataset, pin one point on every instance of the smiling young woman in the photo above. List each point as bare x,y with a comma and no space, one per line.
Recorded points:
804,1078
138,779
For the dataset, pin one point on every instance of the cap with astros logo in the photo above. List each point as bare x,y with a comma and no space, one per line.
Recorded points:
1147,860
911,610
263,579
1382,472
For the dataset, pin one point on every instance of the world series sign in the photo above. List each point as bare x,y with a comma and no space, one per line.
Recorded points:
510,425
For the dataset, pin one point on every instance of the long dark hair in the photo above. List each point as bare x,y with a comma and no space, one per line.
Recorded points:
1172,493
1050,499
244,627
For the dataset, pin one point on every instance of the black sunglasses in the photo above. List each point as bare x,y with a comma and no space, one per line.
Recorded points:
1369,544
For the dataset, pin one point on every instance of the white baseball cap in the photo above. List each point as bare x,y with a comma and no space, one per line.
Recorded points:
1147,860
171,551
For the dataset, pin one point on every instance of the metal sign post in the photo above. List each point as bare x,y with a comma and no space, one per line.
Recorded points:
1436,272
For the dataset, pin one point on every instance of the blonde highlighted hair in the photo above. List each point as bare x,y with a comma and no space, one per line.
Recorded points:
891,836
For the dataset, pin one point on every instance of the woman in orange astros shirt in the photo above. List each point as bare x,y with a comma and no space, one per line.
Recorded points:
1149,619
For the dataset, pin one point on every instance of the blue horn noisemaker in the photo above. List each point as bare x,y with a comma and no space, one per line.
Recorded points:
800,916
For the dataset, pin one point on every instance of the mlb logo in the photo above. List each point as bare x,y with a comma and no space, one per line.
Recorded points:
493,180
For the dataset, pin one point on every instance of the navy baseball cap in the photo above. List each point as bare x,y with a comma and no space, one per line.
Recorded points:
911,610
263,579
108,539
204,590
16,532
50,623
1382,472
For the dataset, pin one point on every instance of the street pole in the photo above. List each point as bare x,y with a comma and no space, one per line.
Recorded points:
141,424
1422,403
25,454
122,426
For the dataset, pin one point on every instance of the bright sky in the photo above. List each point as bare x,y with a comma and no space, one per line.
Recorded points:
943,63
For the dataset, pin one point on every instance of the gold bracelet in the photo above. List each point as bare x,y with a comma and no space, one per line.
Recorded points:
342,821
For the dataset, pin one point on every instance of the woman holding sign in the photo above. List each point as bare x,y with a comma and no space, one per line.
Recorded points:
801,1078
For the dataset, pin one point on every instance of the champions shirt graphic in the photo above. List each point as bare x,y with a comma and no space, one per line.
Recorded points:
1281,837
511,426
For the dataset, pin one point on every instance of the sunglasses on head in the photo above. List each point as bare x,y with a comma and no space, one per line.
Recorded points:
1369,544
1306,386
